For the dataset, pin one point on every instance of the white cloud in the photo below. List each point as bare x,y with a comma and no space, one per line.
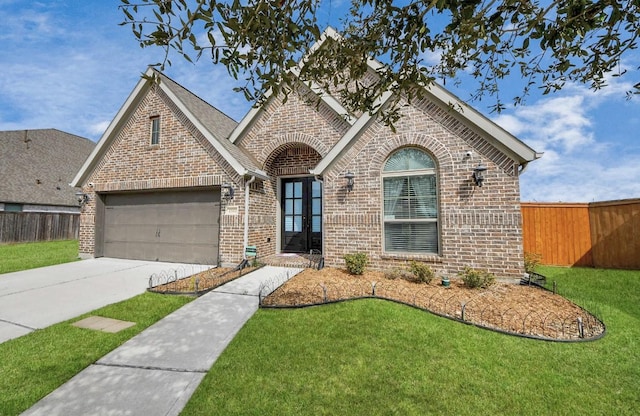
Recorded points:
577,165
557,121
581,179
97,129
29,25
74,74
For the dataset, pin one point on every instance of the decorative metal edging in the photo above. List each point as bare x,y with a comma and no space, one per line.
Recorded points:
498,330
197,292
543,320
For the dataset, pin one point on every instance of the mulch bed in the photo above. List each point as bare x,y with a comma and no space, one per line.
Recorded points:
523,310
202,282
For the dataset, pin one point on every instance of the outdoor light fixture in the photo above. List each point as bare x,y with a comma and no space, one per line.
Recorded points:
349,177
227,192
82,198
478,174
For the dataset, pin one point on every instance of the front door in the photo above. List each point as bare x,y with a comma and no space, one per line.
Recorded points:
301,215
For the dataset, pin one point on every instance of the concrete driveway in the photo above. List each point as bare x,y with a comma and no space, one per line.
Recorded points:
36,298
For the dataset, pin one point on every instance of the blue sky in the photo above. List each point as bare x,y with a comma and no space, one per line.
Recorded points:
67,65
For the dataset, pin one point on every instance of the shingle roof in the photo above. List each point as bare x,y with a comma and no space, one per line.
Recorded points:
36,166
211,122
495,134
216,122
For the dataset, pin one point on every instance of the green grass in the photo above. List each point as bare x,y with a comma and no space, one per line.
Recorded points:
34,365
23,256
372,357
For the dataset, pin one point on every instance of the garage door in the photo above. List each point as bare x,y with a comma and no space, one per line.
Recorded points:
163,226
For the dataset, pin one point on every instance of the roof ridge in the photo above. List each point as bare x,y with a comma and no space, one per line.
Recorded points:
49,129
177,84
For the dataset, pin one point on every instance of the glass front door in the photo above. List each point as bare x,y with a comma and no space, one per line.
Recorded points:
301,215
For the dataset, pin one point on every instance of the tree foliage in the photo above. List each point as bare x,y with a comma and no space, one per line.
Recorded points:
545,43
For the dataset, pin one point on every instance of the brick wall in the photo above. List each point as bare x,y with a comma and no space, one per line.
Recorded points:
184,158
286,139
479,227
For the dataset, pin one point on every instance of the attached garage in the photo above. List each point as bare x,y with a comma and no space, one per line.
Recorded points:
172,226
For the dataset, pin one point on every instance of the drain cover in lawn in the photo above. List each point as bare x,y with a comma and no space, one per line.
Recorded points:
99,323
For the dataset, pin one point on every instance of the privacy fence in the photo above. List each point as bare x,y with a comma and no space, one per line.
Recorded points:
38,226
600,234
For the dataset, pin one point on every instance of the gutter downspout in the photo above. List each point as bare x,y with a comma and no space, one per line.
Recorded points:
246,215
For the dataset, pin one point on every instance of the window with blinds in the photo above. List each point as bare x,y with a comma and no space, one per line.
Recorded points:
155,130
410,202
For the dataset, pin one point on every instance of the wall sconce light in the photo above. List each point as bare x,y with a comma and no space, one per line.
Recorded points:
478,174
227,192
82,198
349,176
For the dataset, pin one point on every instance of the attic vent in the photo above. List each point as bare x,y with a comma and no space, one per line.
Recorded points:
26,138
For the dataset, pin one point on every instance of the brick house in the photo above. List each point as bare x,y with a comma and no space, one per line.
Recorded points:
174,179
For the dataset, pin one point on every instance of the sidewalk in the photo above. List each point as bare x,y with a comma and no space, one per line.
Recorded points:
37,298
157,371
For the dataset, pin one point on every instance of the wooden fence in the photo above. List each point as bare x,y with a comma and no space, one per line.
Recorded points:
600,234
38,226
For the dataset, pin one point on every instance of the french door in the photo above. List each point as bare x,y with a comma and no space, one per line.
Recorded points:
301,215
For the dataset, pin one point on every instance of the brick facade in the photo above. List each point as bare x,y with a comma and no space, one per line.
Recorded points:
478,226
183,159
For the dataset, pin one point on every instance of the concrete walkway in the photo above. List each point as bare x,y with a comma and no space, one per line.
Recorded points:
37,298
157,371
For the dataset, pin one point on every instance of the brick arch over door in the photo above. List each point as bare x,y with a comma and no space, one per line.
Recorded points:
441,154
268,152
291,159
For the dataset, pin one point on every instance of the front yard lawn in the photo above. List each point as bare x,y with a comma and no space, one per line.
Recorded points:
23,256
34,365
372,357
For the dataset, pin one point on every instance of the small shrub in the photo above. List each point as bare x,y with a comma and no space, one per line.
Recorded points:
356,263
397,273
422,272
531,261
474,278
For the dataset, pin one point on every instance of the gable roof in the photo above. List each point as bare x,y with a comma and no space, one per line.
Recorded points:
495,134
36,166
214,125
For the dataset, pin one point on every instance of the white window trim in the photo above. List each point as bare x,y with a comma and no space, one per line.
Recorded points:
437,220
152,120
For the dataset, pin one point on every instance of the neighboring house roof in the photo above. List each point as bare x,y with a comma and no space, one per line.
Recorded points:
36,166
211,122
499,137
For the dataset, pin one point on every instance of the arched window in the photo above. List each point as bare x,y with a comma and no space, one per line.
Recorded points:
410,202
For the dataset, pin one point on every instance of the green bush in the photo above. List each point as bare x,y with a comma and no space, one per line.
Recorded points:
422,272
531,261
356,263
476,278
